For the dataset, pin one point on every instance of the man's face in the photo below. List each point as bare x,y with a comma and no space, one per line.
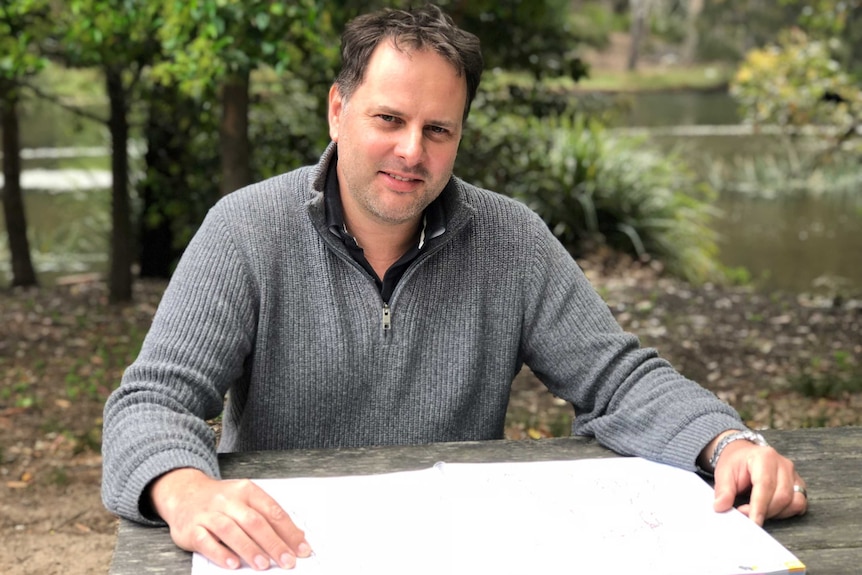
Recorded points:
397,135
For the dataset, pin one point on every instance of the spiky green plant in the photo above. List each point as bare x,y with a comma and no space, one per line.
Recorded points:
589,185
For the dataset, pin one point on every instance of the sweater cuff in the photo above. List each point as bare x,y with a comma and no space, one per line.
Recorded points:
128,493
684,449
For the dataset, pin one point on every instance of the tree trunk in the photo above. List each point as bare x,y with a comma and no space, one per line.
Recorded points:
120,279
236,169
692,37
23,273
163,155
638,11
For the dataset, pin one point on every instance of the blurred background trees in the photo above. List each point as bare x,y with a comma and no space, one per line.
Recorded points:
23,25
198,98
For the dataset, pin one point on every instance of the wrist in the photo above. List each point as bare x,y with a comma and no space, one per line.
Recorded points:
167,490
709,457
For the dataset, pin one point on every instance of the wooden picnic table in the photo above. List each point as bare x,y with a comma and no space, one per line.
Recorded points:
828,539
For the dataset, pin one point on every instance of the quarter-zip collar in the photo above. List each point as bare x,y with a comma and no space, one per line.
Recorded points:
457,210
433,226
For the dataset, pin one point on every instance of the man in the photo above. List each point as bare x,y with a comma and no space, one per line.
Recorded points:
376,299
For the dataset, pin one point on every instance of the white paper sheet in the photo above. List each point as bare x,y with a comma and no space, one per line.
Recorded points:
586,516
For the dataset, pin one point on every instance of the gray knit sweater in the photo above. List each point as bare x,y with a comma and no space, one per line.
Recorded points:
268,306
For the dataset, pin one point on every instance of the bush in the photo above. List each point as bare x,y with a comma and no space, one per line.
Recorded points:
590,186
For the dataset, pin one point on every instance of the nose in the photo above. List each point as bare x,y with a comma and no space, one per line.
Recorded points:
410,145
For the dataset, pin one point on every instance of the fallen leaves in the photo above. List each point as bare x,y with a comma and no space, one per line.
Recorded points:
24,481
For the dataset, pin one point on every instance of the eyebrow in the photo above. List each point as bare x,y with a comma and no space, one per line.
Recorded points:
383,109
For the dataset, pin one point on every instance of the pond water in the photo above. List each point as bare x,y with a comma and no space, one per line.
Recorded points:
790,240
683,108
793,229
69,232
798,244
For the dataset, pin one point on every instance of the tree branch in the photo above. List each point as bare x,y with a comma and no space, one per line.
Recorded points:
56,101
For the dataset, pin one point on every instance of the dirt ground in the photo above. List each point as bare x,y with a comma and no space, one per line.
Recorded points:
782,361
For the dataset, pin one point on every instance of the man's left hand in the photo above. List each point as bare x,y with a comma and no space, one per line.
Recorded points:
777,491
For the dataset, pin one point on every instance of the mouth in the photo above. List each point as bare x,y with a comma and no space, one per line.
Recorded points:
398,178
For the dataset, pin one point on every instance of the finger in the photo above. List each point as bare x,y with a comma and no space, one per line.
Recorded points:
233,532
782,497
283,526
798,504
272,530
727,488
268,539
725,495
286,541
205,543
801,496
764,482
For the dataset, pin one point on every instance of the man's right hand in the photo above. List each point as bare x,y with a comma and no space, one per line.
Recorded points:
227,521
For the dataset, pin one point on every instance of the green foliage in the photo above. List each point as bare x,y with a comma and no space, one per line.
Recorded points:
589,186
727,29
105,33
208,40
739,276
792,172
59,476
829,377
835,19
592,23
23,23
785,84
181,131
17,388
809,77
288,127
539,36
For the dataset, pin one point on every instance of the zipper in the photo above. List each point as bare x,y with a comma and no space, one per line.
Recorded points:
387,318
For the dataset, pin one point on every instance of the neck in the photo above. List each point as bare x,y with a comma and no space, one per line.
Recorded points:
383,244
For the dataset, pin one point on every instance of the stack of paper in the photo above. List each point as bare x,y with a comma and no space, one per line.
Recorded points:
620,515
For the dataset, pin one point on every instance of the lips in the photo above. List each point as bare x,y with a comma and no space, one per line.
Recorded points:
400,178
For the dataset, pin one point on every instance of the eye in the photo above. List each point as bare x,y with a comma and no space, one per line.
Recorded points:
387,118
438,130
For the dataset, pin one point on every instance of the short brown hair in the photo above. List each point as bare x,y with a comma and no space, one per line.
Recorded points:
420,29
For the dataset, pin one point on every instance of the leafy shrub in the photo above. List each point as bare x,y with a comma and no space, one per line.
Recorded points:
589,185
797,82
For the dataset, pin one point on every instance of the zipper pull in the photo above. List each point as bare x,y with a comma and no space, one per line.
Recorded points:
387,317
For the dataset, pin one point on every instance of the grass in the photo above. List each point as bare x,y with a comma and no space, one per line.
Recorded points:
74,86
700,77
829,377
88,163
696,77
59,476
18,389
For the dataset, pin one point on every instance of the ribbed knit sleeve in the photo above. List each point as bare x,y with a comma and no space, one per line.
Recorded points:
200,336
628,397
268,308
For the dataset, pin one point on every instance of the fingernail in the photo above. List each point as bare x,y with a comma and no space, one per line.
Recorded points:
261,562
232,563
288,561
304,549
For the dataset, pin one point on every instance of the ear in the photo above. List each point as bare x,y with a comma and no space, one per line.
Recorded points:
336,107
